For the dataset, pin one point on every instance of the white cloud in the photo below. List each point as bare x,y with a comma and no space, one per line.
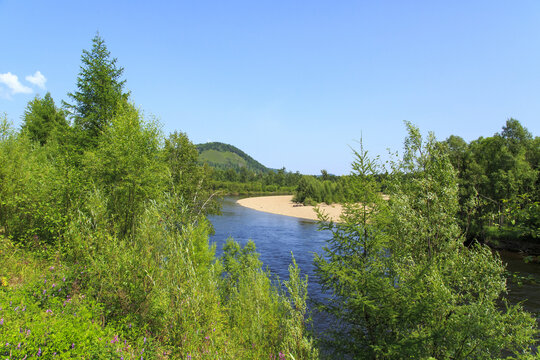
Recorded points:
12,82
37,79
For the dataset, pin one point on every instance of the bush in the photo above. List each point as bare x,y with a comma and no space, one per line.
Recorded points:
47,316
32,207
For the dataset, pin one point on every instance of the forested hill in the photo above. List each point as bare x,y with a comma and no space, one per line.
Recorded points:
225,156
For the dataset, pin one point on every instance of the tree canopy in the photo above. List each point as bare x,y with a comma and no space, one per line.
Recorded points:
499,184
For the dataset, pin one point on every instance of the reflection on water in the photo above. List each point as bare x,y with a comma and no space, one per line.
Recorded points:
528,292
276,236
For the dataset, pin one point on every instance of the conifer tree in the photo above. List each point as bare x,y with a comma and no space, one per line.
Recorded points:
100,92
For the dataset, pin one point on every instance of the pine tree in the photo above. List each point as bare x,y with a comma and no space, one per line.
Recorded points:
100,92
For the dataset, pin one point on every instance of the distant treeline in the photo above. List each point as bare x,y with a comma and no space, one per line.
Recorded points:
329,189
246,181
312,190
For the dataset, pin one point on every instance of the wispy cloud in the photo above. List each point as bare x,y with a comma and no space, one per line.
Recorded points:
13,84
37,79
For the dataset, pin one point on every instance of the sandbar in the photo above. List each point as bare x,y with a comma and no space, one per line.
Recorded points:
283,205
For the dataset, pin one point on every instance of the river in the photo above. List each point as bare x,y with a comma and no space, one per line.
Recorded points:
276,236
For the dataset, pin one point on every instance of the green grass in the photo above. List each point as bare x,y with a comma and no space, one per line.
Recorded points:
222,158
230,158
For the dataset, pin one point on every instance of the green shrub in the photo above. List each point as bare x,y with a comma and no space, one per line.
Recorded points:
48,317
32,201
126,166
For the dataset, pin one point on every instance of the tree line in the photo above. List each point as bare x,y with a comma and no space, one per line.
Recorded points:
244,181
498,178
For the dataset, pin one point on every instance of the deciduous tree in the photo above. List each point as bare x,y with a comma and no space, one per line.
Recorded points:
126,165
42,120
189,178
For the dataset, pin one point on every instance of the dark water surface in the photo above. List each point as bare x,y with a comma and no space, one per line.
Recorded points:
528,292
276,236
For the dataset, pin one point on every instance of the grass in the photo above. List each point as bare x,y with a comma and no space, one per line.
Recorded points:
222,158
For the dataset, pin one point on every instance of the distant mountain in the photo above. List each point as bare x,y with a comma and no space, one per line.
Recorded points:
225,156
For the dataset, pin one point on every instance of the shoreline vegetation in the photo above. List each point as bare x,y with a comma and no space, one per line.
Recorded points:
283,205
105,251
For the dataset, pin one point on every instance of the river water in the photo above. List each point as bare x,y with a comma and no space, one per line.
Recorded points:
276,236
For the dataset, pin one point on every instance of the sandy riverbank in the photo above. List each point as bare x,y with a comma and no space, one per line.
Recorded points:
283,205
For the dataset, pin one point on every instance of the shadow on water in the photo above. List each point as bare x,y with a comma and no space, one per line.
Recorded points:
276,236
524,282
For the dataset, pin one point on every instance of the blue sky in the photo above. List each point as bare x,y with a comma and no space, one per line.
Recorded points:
292,83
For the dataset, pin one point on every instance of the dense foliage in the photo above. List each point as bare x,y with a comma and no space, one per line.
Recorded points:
244,181
499,186
104,248
403,285
312,191
43,121
326,188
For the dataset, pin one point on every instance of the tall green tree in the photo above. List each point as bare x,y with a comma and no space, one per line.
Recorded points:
127,167
403,284
517,137
189,179
354,267
42,120
100,92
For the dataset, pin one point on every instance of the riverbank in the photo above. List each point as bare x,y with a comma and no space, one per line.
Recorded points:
283,205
